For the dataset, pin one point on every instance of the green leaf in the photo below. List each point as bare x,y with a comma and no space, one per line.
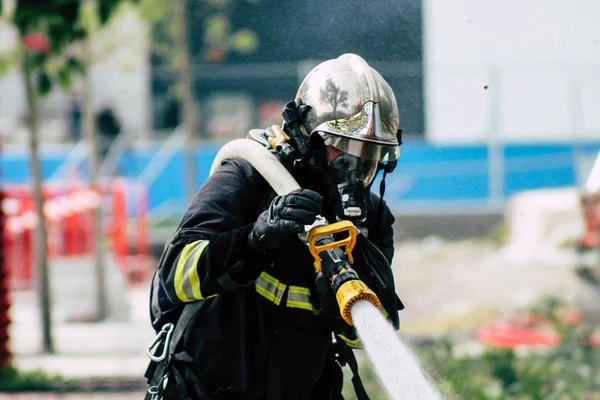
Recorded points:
75,65
44,83
64,77
36,60
89,17
12,380
9,60
219,3
244,41
106,9
154,10
217,29
5,66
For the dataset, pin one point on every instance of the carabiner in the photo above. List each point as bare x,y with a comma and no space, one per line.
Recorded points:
156,391
153,391
167,330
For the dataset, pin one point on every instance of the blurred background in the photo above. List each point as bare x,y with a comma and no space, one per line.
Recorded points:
112,112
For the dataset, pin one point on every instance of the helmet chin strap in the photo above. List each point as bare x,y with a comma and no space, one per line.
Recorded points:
381,193
387,168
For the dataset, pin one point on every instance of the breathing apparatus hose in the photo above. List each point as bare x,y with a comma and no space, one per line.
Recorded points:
330,260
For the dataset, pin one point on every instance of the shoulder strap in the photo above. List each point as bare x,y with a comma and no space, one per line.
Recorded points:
182,323
156,371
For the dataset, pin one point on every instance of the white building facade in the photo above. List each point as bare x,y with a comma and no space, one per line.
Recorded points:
120,80
511,70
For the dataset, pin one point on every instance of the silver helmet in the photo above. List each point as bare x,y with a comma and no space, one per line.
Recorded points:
353,108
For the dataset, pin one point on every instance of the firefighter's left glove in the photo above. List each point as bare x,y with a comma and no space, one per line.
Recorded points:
286,215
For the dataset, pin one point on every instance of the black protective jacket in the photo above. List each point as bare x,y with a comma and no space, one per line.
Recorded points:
249,340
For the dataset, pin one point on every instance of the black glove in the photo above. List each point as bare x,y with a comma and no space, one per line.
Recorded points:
287,214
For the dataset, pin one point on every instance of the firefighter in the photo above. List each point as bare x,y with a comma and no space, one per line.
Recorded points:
235,302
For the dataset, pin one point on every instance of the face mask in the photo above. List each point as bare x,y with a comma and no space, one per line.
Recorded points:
353,177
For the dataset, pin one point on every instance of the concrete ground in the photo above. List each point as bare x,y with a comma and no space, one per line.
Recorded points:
457,286
109,349
85,351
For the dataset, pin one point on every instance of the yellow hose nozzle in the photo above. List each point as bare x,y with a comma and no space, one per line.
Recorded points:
351,292
325,230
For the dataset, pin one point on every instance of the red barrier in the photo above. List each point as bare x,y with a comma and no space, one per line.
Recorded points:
504,335
142,269
69,212
18,236
5,352
595,339
143,225
119,222
133,257
528,330
54,224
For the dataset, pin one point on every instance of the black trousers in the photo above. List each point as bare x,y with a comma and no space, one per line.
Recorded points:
291,373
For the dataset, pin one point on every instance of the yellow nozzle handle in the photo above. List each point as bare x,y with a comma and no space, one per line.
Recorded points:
349,293
324,230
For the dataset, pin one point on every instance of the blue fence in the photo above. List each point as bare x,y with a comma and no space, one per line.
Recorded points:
428,176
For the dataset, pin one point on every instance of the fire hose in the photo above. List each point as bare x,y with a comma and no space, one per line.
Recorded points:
330,260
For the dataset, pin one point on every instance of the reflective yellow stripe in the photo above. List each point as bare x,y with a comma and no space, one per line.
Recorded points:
299,297
193,272
384,312
355,344
187,281
270,288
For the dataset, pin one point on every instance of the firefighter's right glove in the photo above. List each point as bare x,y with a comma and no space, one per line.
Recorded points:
287,215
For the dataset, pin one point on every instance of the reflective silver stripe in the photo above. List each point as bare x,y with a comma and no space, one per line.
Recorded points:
270,288
299,297
187,281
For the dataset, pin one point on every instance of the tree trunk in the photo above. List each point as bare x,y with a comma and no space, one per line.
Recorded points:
94,165
41,239
187,101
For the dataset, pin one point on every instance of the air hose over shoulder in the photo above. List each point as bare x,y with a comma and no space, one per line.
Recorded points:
267,165
330,260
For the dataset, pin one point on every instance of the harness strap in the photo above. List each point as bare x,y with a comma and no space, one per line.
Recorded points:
348,355
156,372
182,323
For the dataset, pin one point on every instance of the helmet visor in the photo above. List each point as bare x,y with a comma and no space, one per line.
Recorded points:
349,168
362,149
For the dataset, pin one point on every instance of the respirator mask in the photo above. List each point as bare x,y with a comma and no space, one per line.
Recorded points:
353,177
353,165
